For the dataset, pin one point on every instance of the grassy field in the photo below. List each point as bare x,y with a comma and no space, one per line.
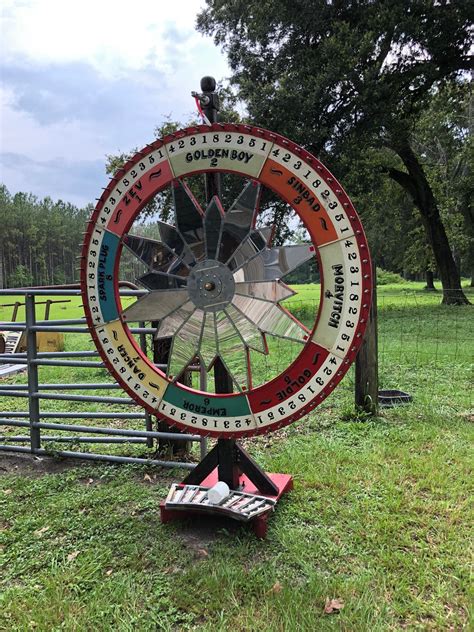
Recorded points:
380,518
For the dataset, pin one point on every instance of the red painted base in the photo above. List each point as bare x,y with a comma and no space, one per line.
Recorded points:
284,482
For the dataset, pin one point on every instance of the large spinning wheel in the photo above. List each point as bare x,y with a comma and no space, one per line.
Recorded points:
215,283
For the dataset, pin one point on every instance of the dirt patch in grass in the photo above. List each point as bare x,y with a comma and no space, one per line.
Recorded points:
201,532
31,465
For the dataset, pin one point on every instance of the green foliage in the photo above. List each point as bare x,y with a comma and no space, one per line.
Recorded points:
343,79
317,71
385,277
39,239
21,277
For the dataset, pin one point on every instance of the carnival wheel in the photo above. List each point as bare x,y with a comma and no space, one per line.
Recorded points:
215,284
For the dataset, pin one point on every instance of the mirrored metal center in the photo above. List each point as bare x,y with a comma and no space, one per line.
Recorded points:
211,285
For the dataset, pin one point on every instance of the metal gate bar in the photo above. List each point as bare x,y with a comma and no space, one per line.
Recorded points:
88,456
101,430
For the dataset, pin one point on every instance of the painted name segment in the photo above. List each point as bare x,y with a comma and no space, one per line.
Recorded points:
130,367
222,414
309,392
341,296
130,192
232,151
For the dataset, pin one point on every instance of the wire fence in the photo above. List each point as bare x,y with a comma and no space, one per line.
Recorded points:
425,349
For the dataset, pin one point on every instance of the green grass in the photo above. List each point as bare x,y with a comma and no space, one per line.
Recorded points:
379,517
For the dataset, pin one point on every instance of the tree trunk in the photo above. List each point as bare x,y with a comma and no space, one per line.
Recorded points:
429,276
418,187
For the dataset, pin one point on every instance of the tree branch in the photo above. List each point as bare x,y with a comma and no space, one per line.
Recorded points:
403,179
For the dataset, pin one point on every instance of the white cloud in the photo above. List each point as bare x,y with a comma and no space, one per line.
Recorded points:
114,36
84,79
23,134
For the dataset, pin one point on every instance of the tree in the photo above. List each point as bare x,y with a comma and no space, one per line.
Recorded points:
327,73
39,239
443,140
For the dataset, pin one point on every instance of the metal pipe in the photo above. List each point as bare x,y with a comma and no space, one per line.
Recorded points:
77,415
8,326
44,438
64,387
69,354
73,398
76,363
62,321
33,402
122,432
203,388
85,398
148,417
35,292
101,457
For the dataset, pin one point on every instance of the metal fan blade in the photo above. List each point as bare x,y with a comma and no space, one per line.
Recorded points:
251,246
274,263
208,342
169,325
189,218
251,335
171,238
274,291
161,281
155,305
213,222
231,350
270,318
185,343
267,233
239,220
153,253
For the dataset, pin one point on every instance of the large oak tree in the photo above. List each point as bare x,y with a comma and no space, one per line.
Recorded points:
327,73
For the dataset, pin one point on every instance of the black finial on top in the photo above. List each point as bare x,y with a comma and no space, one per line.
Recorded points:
208,84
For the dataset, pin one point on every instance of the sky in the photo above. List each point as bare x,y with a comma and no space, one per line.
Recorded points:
80,80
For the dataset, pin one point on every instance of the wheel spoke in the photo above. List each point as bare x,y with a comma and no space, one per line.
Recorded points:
154,254
169,325
213,223
161,281
171,238
208,342
251,335
248,249
232,350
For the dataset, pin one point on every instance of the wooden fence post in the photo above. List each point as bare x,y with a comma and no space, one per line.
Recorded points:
366,365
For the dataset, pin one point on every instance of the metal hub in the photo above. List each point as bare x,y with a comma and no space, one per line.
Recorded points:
211,285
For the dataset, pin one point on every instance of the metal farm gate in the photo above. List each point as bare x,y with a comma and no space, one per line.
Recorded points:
50,426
